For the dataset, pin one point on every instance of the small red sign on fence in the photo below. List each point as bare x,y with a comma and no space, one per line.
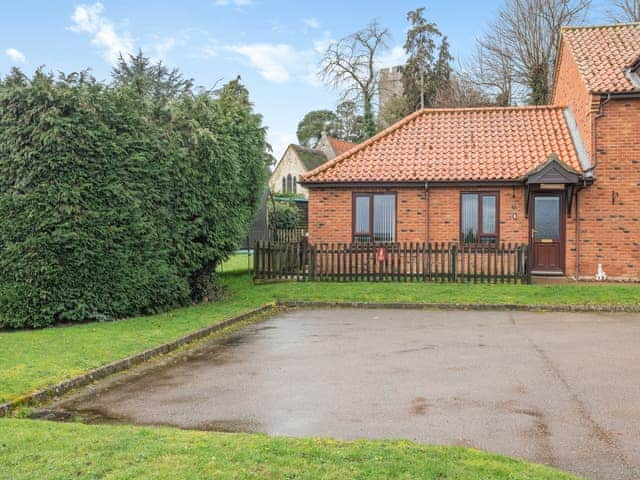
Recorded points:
381,254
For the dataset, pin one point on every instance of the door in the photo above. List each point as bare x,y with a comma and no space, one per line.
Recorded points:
547,233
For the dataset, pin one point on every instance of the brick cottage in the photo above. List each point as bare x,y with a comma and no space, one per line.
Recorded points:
564,178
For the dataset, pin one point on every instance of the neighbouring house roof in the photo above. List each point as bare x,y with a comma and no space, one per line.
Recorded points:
605,56
340,146
309,157
457,145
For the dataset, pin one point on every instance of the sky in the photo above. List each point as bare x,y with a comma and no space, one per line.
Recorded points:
274,45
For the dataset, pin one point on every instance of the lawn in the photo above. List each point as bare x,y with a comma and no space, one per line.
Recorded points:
37,449
32,359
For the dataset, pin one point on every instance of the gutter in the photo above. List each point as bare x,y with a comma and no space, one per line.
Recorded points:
620,95
430,184
420,185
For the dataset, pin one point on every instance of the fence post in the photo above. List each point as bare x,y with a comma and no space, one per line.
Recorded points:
453,274
528,265
255,259
519,258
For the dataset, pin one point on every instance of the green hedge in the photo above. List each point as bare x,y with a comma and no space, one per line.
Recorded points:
117,201
283,216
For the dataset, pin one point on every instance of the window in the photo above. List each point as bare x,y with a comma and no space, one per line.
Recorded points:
374,217
284,185
289,184
295,183
479,218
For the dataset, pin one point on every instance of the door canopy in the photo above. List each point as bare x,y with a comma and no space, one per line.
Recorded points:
552,175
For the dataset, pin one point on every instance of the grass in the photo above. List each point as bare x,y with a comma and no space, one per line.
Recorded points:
30,360
38,449
33,359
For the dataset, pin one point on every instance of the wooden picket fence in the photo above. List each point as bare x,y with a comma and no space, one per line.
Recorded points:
288,234
347,262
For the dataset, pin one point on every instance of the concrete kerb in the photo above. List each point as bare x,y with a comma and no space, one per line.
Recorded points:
466,306
99,373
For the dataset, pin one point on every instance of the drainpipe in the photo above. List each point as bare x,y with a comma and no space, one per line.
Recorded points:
594,141
426,211
577,212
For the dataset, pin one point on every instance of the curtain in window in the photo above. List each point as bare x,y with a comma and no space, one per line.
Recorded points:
289,184
489,214
362,228
469,222
384,220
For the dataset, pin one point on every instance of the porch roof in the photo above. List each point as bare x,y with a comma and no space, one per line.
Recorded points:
457,145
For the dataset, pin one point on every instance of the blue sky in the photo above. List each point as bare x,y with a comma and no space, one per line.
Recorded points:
274,45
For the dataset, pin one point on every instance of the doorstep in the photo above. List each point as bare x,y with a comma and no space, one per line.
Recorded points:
550,279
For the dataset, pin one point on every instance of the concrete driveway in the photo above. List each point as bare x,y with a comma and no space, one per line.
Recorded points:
560,389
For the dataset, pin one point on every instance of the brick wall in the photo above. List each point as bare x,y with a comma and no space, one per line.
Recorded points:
610,208
330,214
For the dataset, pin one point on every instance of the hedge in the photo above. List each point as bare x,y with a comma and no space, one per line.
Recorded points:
116,201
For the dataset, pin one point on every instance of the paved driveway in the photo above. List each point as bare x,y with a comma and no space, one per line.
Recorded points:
560,389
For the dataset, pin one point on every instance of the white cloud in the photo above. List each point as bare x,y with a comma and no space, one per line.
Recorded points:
273,61
15,55
209,51
311,22
162,47
393,57
237,3
280,63
321,45
89,19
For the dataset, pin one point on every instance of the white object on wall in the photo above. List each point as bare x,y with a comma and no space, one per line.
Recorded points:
601,275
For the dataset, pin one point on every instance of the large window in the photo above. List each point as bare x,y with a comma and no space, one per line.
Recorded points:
479,218
289,184
374,217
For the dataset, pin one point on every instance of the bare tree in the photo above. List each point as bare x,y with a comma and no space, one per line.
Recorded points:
625,11
525,37
462,93
491,70
350,64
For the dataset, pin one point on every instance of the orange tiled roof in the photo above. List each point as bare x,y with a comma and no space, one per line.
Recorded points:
466,144
340,146
604,54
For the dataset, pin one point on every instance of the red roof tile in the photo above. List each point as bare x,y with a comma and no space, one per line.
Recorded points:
457,145
604,54
340,146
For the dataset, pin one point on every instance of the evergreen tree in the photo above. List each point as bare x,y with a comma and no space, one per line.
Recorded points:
428,67
314,123
148,79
